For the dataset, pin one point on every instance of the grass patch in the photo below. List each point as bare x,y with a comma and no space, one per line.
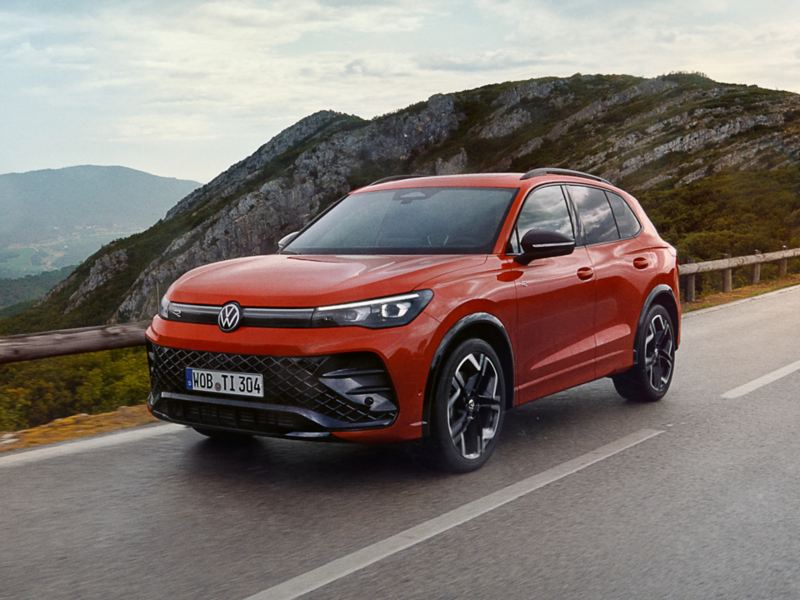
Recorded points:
740,293
77,426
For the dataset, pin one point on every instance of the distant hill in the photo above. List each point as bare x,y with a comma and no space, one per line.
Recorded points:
30,287
717,166
55,217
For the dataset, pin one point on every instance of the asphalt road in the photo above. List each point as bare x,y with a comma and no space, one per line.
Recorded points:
703,503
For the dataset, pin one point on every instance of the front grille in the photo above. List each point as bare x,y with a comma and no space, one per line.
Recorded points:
235,417
351,389
252,317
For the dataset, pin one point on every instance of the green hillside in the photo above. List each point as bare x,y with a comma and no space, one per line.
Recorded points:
31,287
57,217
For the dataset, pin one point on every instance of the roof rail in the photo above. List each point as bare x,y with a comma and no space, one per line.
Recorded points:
556,171
395,178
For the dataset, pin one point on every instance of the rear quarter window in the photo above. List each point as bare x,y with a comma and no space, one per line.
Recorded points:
627,223
594,213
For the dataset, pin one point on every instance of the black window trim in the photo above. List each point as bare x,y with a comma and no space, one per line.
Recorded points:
605,193
576,227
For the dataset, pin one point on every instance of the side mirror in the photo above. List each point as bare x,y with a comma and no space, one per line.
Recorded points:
538,243
284,241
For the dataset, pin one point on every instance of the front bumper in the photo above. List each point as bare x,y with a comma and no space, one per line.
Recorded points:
347,383
303,396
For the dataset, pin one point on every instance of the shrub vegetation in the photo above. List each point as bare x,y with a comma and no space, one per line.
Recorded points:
35,392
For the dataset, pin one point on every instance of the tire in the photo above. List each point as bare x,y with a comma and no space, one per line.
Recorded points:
468,408
650,378
222,435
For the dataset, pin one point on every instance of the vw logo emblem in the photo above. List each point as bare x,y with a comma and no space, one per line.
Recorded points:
229,317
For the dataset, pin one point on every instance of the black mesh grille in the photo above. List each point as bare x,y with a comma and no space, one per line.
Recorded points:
288,381
235,417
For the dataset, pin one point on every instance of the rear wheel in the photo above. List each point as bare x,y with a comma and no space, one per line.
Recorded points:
468,407
650,378
222,435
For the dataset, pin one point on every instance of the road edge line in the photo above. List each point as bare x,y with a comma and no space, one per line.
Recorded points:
83,445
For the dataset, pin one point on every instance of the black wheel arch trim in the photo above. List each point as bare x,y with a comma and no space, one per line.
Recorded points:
445,344
659,290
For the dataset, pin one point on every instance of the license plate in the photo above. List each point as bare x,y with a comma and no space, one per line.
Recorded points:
223,382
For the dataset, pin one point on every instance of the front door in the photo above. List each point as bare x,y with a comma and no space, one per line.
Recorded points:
555,343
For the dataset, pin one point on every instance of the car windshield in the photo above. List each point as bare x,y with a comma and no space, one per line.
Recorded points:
409,221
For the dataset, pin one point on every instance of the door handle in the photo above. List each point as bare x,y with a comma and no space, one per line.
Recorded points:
585,273
640,262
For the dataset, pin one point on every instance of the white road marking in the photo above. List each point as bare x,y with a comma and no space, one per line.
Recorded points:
94,443
341,567
750,386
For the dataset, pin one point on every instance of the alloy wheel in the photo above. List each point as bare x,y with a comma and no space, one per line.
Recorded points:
659,352
473,405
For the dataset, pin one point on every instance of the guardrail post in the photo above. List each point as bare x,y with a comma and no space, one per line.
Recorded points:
727,278
691,292
783,266
757,270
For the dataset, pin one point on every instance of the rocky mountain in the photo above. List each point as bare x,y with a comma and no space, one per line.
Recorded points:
58,217
655,137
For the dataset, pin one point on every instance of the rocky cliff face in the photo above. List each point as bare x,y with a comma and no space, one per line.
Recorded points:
641,133
253,222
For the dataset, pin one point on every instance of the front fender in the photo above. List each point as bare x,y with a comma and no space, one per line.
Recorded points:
485,324
662,293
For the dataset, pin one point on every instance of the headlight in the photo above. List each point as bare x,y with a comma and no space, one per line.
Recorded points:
382,312
163,308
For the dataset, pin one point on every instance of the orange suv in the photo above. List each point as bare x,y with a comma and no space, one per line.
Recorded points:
423,307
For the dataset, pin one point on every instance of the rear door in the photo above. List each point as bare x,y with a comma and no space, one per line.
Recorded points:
555,303
610,230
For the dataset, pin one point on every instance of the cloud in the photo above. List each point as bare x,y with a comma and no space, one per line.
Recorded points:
492,60
225,76
148,126
227,53
728,39
379,67
289,20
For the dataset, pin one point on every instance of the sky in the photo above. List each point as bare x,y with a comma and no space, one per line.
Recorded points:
186,88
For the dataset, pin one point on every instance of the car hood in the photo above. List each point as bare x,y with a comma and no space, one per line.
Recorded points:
311,280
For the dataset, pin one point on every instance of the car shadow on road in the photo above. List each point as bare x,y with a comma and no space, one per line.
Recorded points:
296,461
572,421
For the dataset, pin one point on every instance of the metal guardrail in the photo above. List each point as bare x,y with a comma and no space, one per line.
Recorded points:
18,348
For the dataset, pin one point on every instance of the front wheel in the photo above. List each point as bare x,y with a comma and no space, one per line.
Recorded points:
650,378
468,407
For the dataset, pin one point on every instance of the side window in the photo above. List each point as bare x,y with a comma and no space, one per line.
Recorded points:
627,223
595,214
546,209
